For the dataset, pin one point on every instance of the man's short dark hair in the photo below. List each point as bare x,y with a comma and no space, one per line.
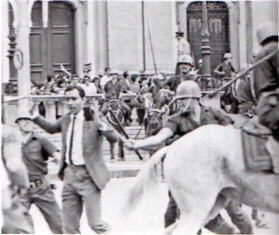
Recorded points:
50,77
125,74
74,87
107,68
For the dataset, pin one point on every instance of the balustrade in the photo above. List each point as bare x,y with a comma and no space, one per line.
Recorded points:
54,104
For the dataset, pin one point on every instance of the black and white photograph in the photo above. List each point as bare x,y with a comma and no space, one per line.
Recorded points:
129,117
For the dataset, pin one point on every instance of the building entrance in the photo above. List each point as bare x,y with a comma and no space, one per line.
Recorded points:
51,46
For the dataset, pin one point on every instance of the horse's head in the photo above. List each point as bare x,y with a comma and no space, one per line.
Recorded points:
164,97
115,107
154,121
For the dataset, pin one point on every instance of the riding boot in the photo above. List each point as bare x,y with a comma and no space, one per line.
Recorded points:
219,226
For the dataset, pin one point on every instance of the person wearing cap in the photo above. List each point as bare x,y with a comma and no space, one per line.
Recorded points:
183,46
37,152
192,115
183,70
266,82
225,71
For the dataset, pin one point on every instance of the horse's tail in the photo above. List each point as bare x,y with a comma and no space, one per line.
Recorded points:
146,179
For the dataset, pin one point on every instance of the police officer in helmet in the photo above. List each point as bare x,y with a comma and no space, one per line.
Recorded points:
183,70
192,115
266,81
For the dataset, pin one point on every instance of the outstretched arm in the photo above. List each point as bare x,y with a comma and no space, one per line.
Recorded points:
157,139
63,69
50,127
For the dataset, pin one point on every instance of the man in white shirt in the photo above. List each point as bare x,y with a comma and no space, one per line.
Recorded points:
82,167
105,78
88,87
183,46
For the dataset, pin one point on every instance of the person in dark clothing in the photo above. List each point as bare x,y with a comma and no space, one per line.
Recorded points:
225,70
266,80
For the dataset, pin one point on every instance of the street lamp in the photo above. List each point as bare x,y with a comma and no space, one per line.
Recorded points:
205,48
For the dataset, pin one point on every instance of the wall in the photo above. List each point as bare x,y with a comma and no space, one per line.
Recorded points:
160,17
125,35
263,11
129,47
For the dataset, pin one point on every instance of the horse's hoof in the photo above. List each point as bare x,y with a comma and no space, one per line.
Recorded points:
261,224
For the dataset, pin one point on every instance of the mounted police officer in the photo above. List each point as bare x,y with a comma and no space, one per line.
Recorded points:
183,70
266,82
192,115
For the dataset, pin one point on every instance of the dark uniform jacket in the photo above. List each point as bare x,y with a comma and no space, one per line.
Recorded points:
35,153
266,74
183,123
266,89
226,68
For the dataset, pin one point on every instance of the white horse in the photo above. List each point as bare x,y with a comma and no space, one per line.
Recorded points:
202,170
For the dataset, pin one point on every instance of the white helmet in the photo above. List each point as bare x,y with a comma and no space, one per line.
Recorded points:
185,59
227,56
266,30
23,114
188,89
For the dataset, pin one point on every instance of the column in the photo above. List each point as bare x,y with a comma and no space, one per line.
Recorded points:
5,41
102,35
23,31
242,34
91,36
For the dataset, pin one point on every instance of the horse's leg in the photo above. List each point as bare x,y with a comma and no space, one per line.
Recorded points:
121,156
215,222
194,209
111,148
239,217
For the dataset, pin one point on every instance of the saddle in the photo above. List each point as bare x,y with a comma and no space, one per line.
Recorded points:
260,150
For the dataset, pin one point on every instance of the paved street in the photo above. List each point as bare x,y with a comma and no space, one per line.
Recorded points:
146,219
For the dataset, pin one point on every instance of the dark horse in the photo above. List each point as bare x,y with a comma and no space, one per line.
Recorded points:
120,112
156,116
229,102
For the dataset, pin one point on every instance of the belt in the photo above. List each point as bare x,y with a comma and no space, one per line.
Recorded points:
35,184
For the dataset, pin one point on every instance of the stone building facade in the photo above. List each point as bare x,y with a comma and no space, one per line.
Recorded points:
121,34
